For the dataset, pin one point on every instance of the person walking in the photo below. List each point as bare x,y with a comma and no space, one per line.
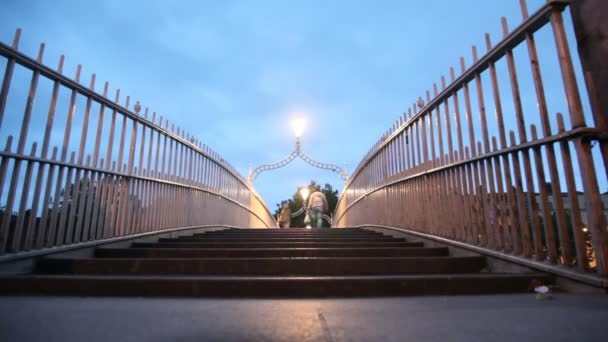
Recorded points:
317,204
285,216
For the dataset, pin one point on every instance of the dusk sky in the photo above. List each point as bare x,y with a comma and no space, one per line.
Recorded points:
233,73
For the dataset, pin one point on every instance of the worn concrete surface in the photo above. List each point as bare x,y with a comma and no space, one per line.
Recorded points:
460,318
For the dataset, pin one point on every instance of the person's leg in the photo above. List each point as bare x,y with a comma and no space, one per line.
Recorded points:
319,216
286,224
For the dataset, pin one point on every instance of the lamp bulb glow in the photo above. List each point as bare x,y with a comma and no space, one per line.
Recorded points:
298,124
304,192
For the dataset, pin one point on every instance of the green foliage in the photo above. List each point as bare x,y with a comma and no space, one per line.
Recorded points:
296,202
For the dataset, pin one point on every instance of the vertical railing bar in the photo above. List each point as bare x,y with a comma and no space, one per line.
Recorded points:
544,116
486,144
85,124
80,228
64,152
89,233
102,109
146,222
469,111
425,148
448,126
474,235
158,139
597,219
112,131
18,233
5,224
457,115
533,215
150,146
508,201
544,202
4,163
575,212
123,181
63,234
109,222
524,228
487,227
439,129
169,172
25,123
123,131
501,204
77,183
140,164
419,164
97,215
401,149
8,76
46,233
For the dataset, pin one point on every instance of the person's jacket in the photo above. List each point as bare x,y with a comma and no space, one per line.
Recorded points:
318,201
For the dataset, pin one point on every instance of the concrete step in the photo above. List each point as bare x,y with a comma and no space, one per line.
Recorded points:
285,239
264,266
286,287
249,244
293,231
266,252
296,235
264,230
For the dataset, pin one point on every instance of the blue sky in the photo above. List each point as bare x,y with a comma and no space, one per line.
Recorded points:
234,72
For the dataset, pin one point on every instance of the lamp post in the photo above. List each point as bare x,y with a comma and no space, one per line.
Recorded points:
304,192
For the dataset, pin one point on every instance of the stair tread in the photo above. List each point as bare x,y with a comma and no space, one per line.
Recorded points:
104,260
474,275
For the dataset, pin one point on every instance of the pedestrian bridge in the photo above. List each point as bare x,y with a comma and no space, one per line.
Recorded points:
492,163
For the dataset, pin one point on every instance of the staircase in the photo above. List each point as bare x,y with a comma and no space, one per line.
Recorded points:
268,263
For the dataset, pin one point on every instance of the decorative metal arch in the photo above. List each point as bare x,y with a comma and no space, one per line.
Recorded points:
304,209
297,153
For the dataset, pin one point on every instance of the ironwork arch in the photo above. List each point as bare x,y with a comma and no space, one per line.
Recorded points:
293,155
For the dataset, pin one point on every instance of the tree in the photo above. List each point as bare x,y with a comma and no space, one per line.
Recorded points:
296,202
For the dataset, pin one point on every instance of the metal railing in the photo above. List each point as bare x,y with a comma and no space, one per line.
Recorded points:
448,169
115,173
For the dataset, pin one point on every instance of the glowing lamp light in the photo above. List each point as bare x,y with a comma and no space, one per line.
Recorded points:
298,124
304,192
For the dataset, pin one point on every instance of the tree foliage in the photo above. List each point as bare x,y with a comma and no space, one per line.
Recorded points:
296,202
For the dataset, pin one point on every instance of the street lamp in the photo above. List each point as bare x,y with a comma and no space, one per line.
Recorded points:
298,124
304,192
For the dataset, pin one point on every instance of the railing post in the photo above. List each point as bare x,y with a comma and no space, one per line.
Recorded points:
597,223
591,29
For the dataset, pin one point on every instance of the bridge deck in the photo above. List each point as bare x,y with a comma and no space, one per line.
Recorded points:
487,318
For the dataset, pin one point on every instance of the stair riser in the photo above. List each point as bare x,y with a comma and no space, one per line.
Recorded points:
268,253
281,235
274,267
274,244
307,232
286,288
358,230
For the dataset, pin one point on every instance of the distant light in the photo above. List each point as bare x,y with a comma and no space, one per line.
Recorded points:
585,229
298,124
304,192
